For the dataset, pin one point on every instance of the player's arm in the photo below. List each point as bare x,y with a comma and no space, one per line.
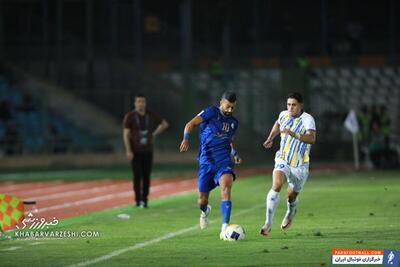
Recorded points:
235,155
126,135
309,137
161,127
187,131
274,132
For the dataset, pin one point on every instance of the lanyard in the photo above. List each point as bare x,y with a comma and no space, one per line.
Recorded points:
146,125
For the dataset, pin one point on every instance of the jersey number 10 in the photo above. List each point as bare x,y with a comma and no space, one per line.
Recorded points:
225,127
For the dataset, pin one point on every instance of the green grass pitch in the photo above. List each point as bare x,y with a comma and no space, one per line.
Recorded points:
336,210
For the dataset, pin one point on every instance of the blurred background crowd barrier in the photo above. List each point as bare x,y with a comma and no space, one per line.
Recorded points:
70,69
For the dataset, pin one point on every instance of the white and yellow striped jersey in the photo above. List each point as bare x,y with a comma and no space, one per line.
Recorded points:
292,150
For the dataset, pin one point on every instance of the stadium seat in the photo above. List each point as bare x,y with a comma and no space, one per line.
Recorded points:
345,72
343,82
33,126
375,72
360,72
331,72
357,81
371,81
353,87
389,71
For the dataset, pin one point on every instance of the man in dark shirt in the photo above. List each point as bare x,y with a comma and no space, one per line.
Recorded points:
140,128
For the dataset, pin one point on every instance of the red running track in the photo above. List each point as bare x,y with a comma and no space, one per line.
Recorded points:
69,199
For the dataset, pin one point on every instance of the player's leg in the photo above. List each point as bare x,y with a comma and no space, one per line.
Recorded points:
203,200
291,207
296,183
205,185
205,209
225,182
137,177
272,200
147,166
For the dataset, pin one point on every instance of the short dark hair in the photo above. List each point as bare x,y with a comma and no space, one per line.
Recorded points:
139,95
230,96
296,96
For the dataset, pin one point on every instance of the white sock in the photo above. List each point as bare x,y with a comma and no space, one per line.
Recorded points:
223,227
272,203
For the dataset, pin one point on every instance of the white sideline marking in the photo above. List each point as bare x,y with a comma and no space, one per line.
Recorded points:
150,242
106,197
11,248
36,243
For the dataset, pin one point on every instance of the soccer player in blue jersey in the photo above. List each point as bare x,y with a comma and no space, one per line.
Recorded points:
217,128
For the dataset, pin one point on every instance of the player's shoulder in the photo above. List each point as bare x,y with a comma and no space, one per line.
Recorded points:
283,113
213,109
308,120
210,109
307,116
208,112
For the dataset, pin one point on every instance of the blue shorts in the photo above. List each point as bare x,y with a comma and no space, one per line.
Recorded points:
209,175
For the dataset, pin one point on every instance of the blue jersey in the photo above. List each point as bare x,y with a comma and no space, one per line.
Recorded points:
216,134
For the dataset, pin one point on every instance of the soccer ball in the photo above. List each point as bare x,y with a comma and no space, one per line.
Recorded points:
234,232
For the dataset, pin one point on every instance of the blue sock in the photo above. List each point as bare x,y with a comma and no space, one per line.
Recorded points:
226,207
203,207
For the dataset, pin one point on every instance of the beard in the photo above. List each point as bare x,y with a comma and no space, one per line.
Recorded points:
225,113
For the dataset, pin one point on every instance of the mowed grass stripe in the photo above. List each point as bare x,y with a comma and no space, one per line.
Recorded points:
152,241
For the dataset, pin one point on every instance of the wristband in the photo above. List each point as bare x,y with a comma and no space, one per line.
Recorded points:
234,153
297,136
186,136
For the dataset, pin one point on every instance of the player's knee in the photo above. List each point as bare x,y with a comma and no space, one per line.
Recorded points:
276,187
226,188
292,195
277,181
226,180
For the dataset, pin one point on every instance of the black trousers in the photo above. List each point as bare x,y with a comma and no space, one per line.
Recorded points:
141,166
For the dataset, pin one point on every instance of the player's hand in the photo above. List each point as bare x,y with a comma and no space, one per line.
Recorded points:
184,146
268,143
130,155
237,160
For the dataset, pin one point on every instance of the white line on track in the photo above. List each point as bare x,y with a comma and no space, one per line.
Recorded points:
96,189
12,186
53,187
118,252
108,197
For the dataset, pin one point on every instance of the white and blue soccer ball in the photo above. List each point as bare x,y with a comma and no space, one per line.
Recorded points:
234,232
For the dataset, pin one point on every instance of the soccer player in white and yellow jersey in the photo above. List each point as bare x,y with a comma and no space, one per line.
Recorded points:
297,130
